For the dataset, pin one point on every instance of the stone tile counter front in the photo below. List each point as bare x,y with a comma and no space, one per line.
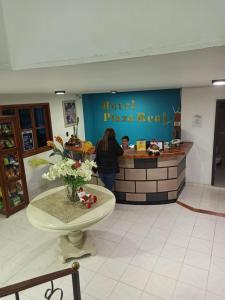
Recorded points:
149,179
145,179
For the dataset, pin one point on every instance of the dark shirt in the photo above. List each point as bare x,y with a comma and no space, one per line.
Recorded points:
107,161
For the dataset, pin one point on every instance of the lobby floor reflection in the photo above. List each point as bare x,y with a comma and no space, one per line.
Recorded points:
204,197
143,252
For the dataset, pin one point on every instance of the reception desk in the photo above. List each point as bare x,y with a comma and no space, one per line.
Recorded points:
149,179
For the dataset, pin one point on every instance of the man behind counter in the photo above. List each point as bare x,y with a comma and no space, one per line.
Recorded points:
125,142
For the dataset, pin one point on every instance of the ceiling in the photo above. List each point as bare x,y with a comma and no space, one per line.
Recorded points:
99,46
184,69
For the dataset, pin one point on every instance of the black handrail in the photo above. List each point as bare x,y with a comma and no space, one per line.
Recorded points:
24,285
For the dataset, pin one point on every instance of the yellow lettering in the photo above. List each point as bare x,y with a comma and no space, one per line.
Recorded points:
157,118
141,117
130,118
106,105
132,104
124,118
106,117
117,118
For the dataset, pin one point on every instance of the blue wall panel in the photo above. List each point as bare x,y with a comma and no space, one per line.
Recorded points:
140,115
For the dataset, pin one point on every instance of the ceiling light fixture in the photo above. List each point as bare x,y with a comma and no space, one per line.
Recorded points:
113,92
60,92
218,82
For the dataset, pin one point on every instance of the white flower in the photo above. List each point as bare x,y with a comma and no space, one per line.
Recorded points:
69,168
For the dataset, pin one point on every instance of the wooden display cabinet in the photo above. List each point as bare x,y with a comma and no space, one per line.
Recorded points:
13,187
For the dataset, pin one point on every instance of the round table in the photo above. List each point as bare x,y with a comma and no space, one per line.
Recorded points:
73,242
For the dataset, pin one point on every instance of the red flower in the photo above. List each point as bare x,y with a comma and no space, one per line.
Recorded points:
88,205
85,198
94,199
76,165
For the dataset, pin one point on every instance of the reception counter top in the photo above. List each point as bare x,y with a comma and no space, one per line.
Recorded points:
149,179
182,149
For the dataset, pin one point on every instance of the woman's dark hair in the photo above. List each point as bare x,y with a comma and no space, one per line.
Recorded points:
125,137
108,134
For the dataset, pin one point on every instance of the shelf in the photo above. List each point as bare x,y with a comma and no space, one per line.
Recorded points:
5,135
16,178
8,150
14,188
16,164
22,202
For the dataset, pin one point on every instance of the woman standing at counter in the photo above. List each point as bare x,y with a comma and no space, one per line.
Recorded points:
107,152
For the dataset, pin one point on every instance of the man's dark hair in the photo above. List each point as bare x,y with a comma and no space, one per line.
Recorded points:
125,137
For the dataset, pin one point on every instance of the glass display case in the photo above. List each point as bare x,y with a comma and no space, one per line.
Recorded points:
13,188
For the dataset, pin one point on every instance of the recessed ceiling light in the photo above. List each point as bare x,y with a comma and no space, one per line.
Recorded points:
113,92
218,82
60,92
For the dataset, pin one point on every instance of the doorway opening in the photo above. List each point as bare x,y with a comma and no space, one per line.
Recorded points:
218,167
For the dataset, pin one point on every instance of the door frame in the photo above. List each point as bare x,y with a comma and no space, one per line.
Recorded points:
218,102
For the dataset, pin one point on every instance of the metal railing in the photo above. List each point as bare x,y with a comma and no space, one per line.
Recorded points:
27,284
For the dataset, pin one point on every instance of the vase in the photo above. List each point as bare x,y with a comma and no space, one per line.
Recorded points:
72,194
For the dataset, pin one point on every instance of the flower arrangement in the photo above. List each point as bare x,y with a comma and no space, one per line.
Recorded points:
74,173
86,199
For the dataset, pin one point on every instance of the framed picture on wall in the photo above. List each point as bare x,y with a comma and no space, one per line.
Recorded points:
28,141
69,112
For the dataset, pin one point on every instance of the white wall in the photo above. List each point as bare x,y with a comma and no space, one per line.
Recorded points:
200,101
33,176
4,51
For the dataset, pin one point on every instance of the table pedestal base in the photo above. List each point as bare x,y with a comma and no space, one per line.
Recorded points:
75,244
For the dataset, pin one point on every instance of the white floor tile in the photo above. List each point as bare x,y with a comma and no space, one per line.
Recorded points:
203,232
216,283
160,286
87,297
144,260
210,296
104,248
194,276
146,296
133,238
156,232
218,249
173,252
200,245
135,277
152,245
85,277
125,292
217,264
100,287
92,263
112,269
167,267
178,239
185,291
123,254
197,259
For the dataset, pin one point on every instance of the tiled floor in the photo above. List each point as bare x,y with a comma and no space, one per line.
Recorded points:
143,252
204,197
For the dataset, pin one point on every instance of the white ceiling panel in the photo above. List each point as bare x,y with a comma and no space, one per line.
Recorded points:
183,69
